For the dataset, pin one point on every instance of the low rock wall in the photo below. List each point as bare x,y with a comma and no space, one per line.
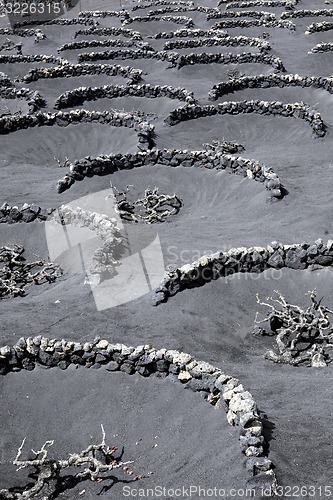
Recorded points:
145,130
295,110
218,14
68,70
210,159
13,59
322,47
260,3
306,13
319,27
79,95
215,41
126,32
250,23
241,260
228,58
220,390
267,81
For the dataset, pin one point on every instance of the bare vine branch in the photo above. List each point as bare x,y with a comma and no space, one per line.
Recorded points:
302,335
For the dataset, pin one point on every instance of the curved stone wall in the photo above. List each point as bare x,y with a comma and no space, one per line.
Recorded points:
240,260
215,41
267,81
144,129
117,54
322,47
229,58
318,27
146,5
193,32
187,21
295,110
27,213
306,13
243,4
267,16
17,32
4,59
220,390
83,44
126,32
59,22
79,95
68,69
211,159
250,23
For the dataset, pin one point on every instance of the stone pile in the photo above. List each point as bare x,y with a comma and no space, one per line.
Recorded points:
227,58
267,16
79,95
215,41
241,4
27,213
267,81
31,58
307,13
250,23
209,158
317,27
322,47
145,130
67,70
296,110
126,32
241,260
5,81
220,390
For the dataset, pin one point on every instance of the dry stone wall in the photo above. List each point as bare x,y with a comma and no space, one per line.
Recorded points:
227,58
322,47
215,41
66,70
126,32
145,130
295,110
306,13
79,95
99,43
210,159
218,14
250,23
260,3
220,390
267,81
13,59
241,260
318,27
